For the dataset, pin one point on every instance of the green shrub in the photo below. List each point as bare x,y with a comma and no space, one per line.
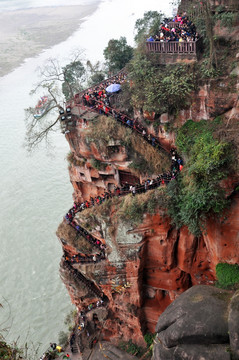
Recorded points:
133,208
227,19
208,72
149,339
132,348
140,166
70,319
72,160
63,338
197,193
227,275
160,89
97,164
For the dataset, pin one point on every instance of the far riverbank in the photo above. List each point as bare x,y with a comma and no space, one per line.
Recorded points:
25,33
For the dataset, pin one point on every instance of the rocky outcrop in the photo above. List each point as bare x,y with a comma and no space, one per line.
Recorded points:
149,265
106,350
199,324
214,98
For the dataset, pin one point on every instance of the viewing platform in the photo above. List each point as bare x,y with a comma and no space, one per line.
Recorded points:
174,51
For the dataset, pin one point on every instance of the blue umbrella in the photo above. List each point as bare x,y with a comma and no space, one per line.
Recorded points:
113,88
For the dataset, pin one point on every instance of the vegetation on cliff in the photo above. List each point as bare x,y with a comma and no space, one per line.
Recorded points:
160,89
227,275
13,350
145,159
73,238
196,193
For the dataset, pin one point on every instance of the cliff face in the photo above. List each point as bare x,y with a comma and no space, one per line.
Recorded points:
216,97
146,266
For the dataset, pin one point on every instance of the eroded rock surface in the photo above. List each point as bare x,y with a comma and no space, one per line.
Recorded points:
105,350
202,323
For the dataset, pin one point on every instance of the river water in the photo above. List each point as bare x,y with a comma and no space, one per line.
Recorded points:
35,190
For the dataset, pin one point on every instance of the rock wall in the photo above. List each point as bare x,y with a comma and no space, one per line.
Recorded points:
200,324
147,266
215,98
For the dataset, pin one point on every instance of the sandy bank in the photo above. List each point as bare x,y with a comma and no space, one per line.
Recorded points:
25,33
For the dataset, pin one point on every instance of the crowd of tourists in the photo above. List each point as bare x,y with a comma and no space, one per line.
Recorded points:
98,92
98,99
180,29
149,184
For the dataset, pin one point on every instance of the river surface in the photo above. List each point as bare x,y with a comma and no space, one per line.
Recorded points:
35,190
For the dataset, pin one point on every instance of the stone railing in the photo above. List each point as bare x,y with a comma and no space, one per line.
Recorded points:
174,47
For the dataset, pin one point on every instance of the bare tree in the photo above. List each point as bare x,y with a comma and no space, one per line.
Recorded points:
57,84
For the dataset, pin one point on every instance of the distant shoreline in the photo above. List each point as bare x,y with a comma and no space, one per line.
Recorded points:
25,33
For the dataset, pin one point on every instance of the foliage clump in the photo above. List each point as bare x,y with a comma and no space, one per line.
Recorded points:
133,208
97,164
132,348
145,158
148,25
68,234
196,192
227,18
73,160
117,54
138,351
158,88
227,275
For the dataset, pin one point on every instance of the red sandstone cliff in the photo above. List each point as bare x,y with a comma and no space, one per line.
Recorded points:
146,266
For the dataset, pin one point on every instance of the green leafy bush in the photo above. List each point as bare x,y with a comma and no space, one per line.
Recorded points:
227,19
97,164
208,72
117,54
197,193
63,338
158,88
149,339
139,165
133,208
132,348
72,160
227,275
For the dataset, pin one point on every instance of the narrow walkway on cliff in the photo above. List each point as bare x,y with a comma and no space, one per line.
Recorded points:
80,277
95,99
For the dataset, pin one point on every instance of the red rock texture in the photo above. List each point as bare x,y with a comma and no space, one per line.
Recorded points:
158,261
221,236
217,97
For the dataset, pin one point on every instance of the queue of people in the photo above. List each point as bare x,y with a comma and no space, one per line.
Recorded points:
97,99
149,184
179,29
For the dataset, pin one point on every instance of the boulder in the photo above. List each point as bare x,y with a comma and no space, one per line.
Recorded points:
198,316
192,352
201,324
233,325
